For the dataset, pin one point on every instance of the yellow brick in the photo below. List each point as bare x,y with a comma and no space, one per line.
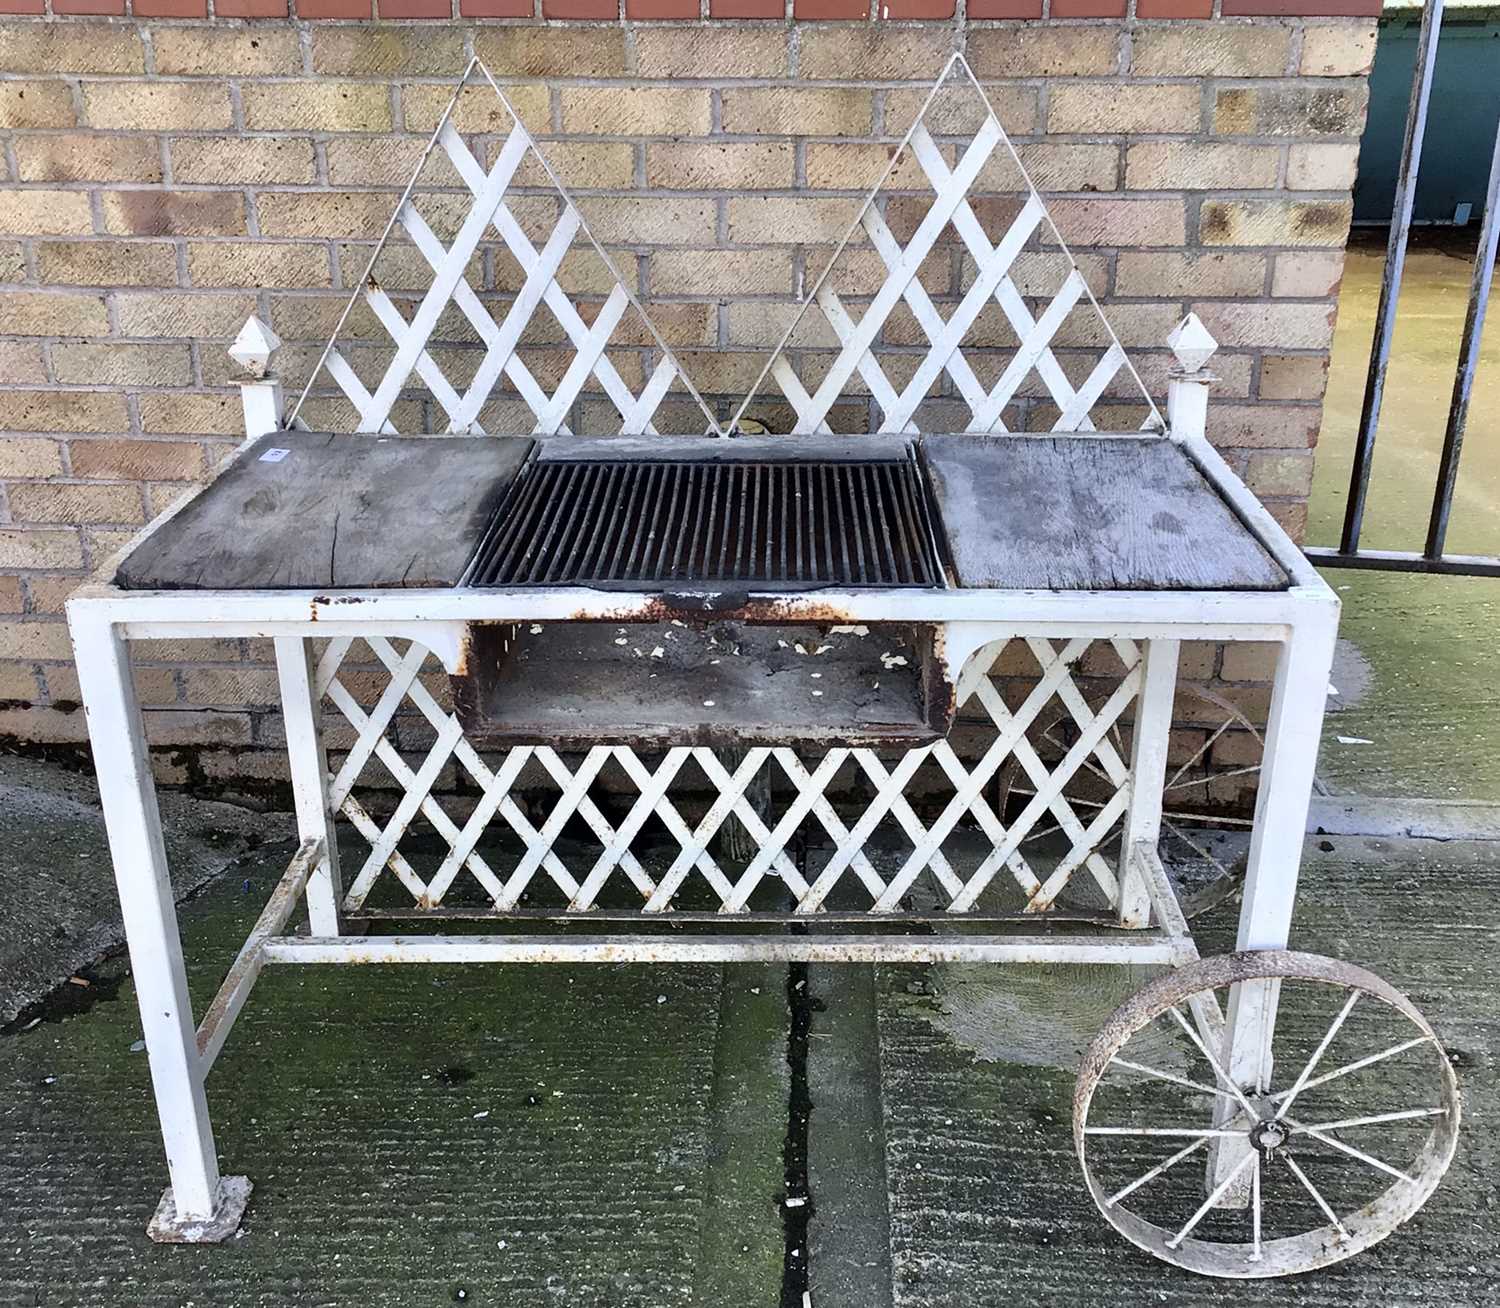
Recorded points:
172,412
385,161
1274,222
37,212
1121,107
1280,473
1200,166
1063,166
29,456
477,110
48,502
88,158
1290,110
362,50
716,52
1284,326
628,220
236,685
17,683
68,411
761,323
137,460
1329,167
635,111
582,165
1122,221
1211,50
199,160
874,52
49,594
20,548
107,263
1262,426
12,262
1338,49
157,106
1178,275
1250,660
257,263
71,47
21,361
798,111
957,111
1314,273
317,106
567,51
721,272
858,165
52,313
714,166
36,104
259,51
118,363
330,213
35,640
1293,376
174,213
182,314
1064,51
760,221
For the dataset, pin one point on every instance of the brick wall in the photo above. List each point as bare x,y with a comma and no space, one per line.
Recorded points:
161,178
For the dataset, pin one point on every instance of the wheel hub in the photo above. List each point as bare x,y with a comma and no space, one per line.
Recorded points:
1270,1135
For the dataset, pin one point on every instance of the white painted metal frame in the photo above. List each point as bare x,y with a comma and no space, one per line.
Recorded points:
992,281
501,340
1145,629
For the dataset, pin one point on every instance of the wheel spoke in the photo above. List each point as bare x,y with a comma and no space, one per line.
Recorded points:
1157,1171
1177,1132
1219,1191
1301,1082
1171,1077
1213,1062
1334,1142
1317,1198
1363,1063
1405,1116
1198,753
1255,1209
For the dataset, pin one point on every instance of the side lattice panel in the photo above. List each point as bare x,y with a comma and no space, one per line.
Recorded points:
1028,791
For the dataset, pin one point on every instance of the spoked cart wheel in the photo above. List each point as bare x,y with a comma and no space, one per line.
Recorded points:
1344,1138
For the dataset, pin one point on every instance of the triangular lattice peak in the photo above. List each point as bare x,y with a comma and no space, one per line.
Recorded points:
965,332
487,305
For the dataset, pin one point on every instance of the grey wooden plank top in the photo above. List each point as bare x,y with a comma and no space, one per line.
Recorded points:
341,511
1089,513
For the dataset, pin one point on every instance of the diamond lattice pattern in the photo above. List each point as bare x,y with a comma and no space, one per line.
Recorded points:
491,291
1056,306
1040,723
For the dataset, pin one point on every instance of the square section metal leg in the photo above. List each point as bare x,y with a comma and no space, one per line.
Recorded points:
199,1203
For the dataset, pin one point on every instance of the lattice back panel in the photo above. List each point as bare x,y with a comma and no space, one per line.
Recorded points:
953,303
488,306
1024,800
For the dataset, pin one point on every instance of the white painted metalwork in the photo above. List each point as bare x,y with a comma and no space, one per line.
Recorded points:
497,854
992,282
501,360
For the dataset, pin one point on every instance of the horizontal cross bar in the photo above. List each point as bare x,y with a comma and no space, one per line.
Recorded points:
1135,948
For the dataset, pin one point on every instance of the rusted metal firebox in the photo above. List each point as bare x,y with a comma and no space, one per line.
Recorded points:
804,628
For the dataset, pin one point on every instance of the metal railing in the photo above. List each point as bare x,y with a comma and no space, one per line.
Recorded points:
1432,557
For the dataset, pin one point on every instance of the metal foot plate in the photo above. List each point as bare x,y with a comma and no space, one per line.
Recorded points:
166,1227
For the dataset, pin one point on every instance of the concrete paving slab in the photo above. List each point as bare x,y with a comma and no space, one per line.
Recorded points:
58,908
986,1203
501,1135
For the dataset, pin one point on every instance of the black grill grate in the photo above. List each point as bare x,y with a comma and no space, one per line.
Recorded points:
776,524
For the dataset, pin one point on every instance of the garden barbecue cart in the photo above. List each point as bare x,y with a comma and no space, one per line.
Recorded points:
721,696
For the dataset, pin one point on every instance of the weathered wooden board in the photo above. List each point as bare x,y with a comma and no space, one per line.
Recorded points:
1089,513
332,511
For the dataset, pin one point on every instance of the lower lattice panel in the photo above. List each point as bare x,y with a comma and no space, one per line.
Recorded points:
1034,773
